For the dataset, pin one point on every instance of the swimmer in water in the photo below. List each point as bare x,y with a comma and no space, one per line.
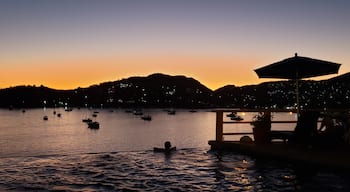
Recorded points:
167,148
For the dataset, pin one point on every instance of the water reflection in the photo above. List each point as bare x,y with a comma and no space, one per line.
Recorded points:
241,173
185,170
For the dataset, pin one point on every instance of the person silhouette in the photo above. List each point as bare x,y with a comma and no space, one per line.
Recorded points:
306,128
327,124
167,148
167,145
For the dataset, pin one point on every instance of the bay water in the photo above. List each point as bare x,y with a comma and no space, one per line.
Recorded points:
63,154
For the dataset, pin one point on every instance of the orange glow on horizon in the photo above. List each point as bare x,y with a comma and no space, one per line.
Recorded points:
213,71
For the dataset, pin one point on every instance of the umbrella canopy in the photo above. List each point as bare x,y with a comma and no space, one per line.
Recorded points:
297,68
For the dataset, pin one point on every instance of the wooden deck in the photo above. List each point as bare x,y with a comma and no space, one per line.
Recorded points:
336,158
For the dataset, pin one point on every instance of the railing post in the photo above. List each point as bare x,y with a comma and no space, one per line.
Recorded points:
219,126
267,114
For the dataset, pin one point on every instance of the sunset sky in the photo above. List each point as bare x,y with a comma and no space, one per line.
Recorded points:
65,44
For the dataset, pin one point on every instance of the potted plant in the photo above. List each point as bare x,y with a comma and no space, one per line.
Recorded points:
261,127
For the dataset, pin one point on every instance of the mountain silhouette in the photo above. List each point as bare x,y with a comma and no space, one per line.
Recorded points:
160,90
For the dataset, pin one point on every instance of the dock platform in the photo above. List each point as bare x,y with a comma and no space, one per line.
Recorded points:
333,158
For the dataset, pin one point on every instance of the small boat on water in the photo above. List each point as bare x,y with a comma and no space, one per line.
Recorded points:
45,118
171,112
94,125
237,118
69,109
146,117
233,116
87,120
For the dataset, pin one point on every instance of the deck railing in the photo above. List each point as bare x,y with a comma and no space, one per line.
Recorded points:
220,121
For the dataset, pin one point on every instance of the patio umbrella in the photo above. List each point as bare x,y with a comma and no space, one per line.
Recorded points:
297,68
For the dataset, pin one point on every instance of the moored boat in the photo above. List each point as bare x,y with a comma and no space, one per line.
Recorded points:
87,120
94,125
237,118
233,116
146,117
138,112
69,109
172,112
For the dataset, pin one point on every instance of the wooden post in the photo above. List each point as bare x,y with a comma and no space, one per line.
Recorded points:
267,113
219,126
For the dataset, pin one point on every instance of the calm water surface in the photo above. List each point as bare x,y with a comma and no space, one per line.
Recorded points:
62,154
24,134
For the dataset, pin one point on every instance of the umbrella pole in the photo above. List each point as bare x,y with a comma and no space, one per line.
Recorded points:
297,95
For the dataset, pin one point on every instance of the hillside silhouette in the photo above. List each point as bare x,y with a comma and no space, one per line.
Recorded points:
160,90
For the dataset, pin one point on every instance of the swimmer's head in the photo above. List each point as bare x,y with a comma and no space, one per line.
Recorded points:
167,145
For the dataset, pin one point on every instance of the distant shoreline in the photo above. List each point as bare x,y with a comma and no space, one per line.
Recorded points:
165,91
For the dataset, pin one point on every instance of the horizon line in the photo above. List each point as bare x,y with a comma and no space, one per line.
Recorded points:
42,85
